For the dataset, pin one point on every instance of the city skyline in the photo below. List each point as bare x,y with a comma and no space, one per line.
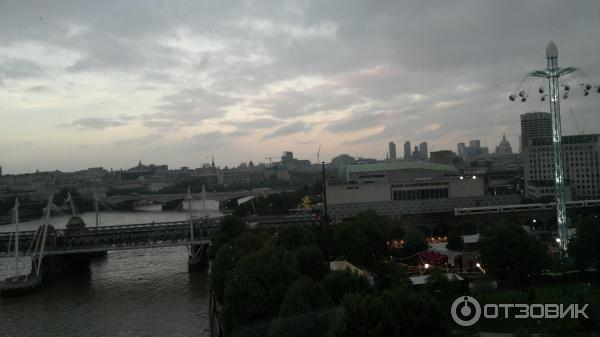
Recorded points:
82,87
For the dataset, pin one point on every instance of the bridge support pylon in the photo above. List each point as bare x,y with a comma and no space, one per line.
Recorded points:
198,258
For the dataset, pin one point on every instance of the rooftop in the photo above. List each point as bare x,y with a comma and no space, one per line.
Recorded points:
401,165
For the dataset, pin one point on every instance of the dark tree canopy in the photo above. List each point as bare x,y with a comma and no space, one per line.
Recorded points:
256,287
228,256
231,227
363,239
400,312
311,262
389,275
455,241
414,241
293,237
338,283
584,246
508,252
350,243
305,311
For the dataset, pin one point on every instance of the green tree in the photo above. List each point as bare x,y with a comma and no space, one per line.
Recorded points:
363,315
231,227
293,237
584,246
455,241
310,262
305,311
389,275
416,313
256,287
445,290
377,230
511,254
339,283
363,239
350,243
228,256
414,241
399,312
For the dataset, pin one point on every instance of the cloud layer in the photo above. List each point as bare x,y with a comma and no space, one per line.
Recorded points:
173,82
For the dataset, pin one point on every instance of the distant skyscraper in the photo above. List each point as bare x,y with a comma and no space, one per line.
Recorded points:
407,150
415,154
535,125
423,151
460,149
392,150
475,144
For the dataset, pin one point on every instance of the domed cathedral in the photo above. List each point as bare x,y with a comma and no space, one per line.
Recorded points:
504,146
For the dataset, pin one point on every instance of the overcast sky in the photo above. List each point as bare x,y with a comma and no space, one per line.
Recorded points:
105,83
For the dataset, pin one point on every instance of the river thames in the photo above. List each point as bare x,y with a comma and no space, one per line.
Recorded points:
143,292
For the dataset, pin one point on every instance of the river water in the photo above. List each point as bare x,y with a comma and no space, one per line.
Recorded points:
143,292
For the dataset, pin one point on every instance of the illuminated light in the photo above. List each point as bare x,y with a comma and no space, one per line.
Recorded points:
534,220
461,178
426,265
557,240
478,265
474,177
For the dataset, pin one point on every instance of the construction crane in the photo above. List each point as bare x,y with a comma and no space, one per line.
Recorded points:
318,154
270,161
575,120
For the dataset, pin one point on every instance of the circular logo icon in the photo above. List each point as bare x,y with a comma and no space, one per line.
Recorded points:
465,311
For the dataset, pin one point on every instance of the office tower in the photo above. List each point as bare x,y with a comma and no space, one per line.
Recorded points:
392,150
475,144
535,125
460,149
423,151
416,155
407,150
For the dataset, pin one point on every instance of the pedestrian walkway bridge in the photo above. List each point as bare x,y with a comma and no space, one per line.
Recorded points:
79,239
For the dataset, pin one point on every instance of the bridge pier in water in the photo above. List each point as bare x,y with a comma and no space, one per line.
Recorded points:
198,258
55,265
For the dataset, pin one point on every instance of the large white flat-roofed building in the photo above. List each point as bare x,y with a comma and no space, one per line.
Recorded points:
396,188
582,167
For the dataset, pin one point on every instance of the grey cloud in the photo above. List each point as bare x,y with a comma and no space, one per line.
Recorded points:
210,140
292,128
141,140
451,64
292,103
258,123
17,68
358,120
111,53
188,106
95,123
38,89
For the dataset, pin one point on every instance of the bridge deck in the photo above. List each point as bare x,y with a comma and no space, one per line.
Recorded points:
119,237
